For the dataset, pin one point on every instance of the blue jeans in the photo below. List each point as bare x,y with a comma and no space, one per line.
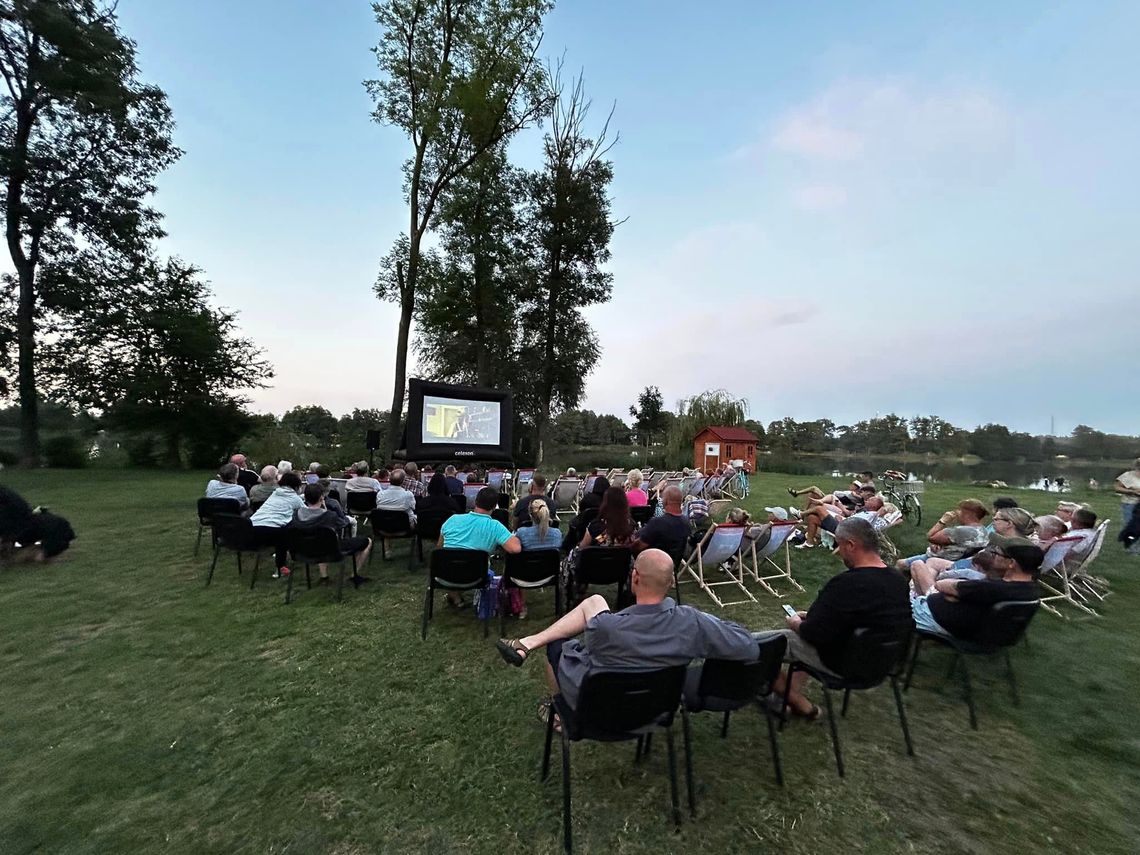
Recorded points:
1126,512
923,619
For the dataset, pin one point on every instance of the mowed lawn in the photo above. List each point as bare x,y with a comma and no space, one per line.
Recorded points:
142,711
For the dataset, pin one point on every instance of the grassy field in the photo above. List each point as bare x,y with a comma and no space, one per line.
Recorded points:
144,712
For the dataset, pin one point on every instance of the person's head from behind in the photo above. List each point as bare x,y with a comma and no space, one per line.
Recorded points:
614,514
437,486
737,516
1014,522
1049,526
601,484
412,469
672,499
227,473
571,472
383,475
314,495
540,517
284,466
486,500
1065,511
396,479
472,478
360,469
449,471
652,576
269,474
537,485
314,466
238,460
323,473
1084,518
874,503
971,512
1003,502
290,481
867,477
633,479
857,543
1016,556
867,491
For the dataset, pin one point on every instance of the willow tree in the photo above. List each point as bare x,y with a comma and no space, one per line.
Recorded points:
715,407
459,78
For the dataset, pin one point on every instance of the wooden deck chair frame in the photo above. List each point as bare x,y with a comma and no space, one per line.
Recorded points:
618,477
730,486
522,480
1084,585
781,531
565,495
695,564
1054,562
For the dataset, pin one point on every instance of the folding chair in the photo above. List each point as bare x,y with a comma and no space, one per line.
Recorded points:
1083,585
723,686
686,484
530,570
618,477
429,522
564,496
601,565
454,570
642,514
616,707
781,531
317,546
502,515
588,484
495,479
731,486
711,487
696,486
721,543
523,477
718,506
470,491
1003,628
869,659
1055,574
360,504
234,533
388,526
207,508
654,479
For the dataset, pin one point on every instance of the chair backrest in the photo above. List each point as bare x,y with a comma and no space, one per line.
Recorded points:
458,566
565,493
253,506
495,478
781,531
686,484
208,507
390,523
618,478
232,531
742,682
532,565
502,515
712,486
360,502
522,480
1057,552
588,484
430,521
642,514
470,491
1006,623
872,655
335,495
655,478
621,702
603,565
460,501
318,545
1094,549
722,543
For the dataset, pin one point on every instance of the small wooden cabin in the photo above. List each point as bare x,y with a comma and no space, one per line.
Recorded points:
715,446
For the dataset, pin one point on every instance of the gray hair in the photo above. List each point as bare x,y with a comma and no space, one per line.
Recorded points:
860,532
1049,525
360,468
228,472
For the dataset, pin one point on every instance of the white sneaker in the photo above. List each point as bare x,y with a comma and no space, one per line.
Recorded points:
804,546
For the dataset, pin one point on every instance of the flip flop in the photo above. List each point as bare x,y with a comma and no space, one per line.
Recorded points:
512,651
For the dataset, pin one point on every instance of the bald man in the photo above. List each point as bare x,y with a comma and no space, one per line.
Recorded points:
654,633
668,532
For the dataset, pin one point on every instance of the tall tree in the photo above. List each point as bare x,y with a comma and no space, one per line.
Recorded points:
81,140
568,229
155,356
648,414
460,76
716,407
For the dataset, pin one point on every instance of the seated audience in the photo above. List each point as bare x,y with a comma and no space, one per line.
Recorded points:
999,504
438,497
958,607
283,466
861,487
669,532
225,486
324,478
827,518
396,498
1008,522
413,483
540,534
1084,527
472,478
265,486
957,534
867,595
246,478
1065,512
313,514
454,485
613,526
311,477
477,530
654,633
593,499
1050,527
362,480
634,492
269,521
537,490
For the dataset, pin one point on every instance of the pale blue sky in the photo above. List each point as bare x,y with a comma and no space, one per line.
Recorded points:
839,208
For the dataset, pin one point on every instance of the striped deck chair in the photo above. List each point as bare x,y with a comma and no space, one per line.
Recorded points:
564,495
721,544
588,484
523,477
495,479
781,531
731,487
655,478
470,491
1054,579
1084,586
618,477
711,487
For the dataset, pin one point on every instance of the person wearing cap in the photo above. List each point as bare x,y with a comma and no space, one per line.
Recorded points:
1127,486
958,608
246,477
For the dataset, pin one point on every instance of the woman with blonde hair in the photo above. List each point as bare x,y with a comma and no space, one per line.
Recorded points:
540,534
636,494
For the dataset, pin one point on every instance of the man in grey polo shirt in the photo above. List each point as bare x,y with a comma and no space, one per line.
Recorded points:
654,633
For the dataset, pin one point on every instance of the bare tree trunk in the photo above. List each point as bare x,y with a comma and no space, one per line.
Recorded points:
407,304
26,383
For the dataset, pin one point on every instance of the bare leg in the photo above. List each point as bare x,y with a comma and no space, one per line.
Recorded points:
814,492
923,577
796,699
323,570
571,624
362,556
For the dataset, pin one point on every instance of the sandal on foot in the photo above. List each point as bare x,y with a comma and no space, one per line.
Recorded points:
545,711
792,493
512,650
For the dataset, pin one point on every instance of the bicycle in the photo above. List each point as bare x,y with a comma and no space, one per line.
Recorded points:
906,495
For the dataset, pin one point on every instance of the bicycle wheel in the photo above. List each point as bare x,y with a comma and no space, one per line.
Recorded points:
912,507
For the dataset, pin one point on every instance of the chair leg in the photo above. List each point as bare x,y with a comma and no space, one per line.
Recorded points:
834,730
638,750
504,599
913,661
545,773
213,564
340,582
687,733
198,542
787,695
566,832
672,752
256,566
557,599
902,715
968,686
427,612
288,589
648,745
724,725
1016,696
239,561
775,746
846,700
308,577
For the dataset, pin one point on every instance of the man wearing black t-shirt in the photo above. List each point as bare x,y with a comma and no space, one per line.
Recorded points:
959,607
668,532
868,595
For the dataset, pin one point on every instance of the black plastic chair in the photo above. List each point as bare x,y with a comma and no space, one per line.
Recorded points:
234,533
360,504
454,570
602,565
317,546
617,707
1003,628
576,528
460,503
502,515
870,658
429,523
530,570
207,508
641,515
724,686
334,494
392,525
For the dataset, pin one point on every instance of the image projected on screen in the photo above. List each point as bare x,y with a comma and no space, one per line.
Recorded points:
460,422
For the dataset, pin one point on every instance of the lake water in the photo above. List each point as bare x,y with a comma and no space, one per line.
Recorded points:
1031,476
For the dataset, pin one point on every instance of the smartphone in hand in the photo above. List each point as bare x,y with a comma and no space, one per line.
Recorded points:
789,611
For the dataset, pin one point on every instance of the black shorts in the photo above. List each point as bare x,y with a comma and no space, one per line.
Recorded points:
554,655
352,545
829,523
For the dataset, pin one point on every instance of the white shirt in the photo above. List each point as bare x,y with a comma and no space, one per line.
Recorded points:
397,499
